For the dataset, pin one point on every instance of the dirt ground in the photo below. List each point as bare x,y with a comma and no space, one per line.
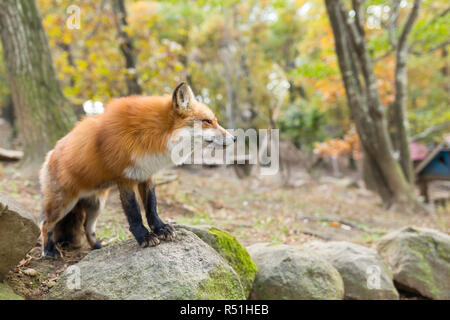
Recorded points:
257,209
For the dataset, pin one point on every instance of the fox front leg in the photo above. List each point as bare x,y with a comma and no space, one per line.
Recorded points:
163,230
133,213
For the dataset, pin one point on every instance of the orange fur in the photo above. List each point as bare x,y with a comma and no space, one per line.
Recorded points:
93,156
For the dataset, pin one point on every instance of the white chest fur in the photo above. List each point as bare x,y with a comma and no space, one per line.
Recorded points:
144,166
179,149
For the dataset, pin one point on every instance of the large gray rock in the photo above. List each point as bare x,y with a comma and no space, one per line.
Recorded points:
419,259
366,276
186,268
18,233
288,273
230,249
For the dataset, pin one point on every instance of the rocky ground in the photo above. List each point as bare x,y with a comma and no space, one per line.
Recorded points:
258,209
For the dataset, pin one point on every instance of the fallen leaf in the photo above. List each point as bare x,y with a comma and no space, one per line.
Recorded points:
25,262
30,272
334,224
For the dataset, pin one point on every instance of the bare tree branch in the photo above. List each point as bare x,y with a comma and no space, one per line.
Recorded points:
342,50
126,46
431,130
400,133
437,17
355,35
359,15
403,40
392,27
365,62
430,50
393,23
383,56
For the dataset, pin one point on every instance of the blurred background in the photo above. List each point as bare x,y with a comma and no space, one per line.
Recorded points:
359,154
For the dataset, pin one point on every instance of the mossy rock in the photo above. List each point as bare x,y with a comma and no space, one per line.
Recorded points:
183,269
419,259
293,273
354,263
6,293
231,250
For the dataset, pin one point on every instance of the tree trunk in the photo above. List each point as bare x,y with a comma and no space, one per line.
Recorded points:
400,121
445,73
70,60
43,114
127,47
387,177
374,181
7,111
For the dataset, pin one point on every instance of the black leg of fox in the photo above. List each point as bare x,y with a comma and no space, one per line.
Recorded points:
48,243
163,230
50,247
133,213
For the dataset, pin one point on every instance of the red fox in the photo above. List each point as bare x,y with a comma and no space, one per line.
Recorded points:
124,146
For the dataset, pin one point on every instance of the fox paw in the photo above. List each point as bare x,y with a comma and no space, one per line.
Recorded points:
50,250
51,253
150,240
97,245
166,232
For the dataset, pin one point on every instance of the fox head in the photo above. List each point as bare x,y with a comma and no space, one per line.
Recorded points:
197,119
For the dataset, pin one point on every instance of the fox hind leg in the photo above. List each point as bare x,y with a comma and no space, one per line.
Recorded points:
93,206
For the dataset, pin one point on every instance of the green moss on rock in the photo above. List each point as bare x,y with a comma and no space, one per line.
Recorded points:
419,258
291,273
231,250
184,269
220,285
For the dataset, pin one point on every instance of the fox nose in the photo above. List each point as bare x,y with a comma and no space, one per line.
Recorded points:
228,140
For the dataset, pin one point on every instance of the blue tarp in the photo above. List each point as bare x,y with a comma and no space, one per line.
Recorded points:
439,165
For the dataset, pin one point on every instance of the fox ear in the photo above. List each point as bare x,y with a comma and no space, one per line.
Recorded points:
182,97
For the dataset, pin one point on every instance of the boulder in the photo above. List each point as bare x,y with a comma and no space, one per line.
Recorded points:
186,268
419,259
6,293
231,250
18,233
366,276
289,273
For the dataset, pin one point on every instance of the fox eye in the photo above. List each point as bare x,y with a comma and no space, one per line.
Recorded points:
207,121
